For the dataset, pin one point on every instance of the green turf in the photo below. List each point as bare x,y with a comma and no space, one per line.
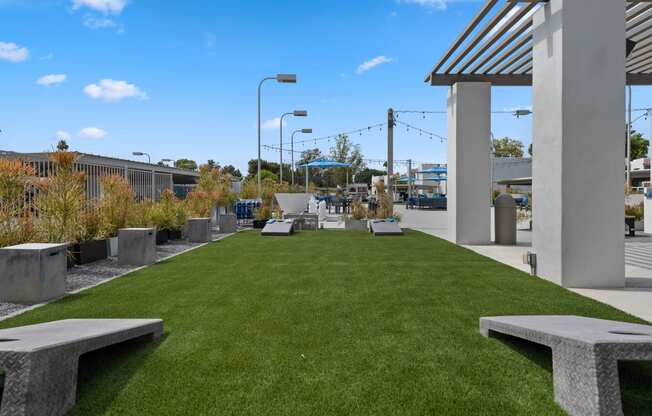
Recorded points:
326,323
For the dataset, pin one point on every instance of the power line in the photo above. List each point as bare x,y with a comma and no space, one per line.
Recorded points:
420,130
359,131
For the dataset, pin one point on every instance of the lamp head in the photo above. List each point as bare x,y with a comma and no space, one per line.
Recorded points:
300,113
306,130
286,78
138,153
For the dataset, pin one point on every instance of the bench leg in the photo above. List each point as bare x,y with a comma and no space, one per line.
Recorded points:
585,384
39,384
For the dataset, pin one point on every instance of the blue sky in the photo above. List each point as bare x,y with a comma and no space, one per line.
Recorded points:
178,79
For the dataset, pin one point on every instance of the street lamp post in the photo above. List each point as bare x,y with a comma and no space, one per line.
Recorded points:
304,131
281,78
149,159
295,113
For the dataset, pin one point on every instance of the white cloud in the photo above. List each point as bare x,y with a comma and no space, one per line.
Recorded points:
92,133
366,66
435,4
12,52
62,135
51,79
273,124
99,23
110,90
103,6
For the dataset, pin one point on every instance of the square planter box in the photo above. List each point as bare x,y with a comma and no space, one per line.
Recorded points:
137,246
90,251
260,224
32,273
162,237
198,230
228,223
352,224
175,235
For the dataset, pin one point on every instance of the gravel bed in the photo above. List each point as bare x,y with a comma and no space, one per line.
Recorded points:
81,277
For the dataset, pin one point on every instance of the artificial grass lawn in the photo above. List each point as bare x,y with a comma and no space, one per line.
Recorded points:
326,323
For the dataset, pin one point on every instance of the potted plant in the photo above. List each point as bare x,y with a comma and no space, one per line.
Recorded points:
115,206
358,220
90,245
16,225
61,203
268,188
169,217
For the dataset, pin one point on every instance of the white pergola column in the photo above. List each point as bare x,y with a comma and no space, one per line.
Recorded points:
469,131
578,170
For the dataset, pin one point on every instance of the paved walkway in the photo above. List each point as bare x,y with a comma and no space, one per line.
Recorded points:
635,298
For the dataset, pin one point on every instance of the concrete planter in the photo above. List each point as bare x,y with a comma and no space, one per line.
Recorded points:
113,246
227,223
356,225
198,230
90,251
137,246
32,273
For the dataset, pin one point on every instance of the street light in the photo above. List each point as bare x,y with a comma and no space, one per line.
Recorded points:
295,113
522,113
304,131
149,159
280,78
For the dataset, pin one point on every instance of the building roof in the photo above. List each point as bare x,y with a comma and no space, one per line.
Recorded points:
106,161
496,45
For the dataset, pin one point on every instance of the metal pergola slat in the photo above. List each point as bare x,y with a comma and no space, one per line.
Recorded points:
496,45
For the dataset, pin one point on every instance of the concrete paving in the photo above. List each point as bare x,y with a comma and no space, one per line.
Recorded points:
635,298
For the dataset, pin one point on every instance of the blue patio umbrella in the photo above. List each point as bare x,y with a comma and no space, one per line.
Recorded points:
324,164
436,170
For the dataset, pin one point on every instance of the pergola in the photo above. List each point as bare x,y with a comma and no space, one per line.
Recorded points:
496,45
578,56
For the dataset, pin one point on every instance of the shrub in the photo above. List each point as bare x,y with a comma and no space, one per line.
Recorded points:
16,225
115,205
141,214
199,204
249,189
385,203
358,211
169,213
61,201
635,211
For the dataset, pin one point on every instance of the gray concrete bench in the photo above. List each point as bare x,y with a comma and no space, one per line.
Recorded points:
382,227
40,361
278,228
585,355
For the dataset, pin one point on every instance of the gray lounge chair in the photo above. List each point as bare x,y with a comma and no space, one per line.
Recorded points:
384,227
278,227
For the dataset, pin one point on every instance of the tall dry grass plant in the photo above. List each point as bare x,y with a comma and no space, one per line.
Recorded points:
16,226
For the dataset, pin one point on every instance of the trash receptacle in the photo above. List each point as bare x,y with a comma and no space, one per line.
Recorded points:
505,220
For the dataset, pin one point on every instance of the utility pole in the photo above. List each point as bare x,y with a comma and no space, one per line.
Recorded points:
390,151
409,180
629,136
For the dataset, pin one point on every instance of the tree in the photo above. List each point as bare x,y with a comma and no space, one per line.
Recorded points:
529,150
309,155
273,167
211,163
345,151
365,175
230,169
186,164
639,146
507,147
62,146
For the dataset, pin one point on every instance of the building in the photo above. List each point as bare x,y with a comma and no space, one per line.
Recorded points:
147,180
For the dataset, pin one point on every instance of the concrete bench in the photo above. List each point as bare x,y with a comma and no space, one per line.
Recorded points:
278,228
40,361
585,355
382,227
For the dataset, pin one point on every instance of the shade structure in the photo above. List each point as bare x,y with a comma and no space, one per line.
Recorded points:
324,164
436,170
